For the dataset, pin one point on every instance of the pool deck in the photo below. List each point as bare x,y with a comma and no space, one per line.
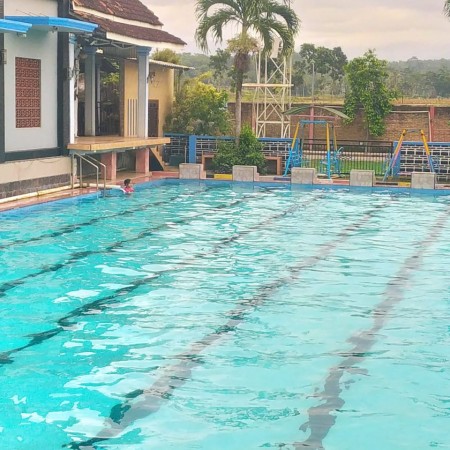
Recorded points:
154,176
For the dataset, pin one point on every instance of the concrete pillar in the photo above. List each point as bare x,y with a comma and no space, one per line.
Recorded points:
190,171
425,180
89,91
143,160
362,177
303,175
110,161
143,71
245,173
72,76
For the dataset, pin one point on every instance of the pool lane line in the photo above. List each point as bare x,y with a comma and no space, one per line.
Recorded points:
77,256
100,304
142,403
320,418
67,229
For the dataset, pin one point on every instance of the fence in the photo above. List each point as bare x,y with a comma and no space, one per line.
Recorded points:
201,149
366,155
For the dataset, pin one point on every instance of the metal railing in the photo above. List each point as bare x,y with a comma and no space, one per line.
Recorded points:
94,163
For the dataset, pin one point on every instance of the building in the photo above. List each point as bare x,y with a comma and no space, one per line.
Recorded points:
53,56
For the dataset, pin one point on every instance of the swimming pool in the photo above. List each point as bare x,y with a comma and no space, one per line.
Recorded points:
219,316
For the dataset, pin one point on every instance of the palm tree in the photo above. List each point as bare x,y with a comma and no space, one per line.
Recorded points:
263,19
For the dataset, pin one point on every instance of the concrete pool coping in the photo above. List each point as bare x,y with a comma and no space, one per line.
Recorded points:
274,181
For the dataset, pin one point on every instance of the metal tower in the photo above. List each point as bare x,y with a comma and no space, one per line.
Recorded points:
272,94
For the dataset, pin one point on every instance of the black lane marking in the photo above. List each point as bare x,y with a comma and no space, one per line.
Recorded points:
77,256
320,418
142,403
76,226
101,304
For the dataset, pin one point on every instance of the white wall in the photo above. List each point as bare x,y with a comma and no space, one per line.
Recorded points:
37,45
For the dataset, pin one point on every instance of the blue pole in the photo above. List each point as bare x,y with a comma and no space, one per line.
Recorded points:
192,147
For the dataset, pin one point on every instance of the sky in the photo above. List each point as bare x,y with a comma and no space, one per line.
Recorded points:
396,29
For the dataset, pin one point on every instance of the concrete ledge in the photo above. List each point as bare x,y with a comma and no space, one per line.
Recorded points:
245,173
190,171
302,175
423,180
362,177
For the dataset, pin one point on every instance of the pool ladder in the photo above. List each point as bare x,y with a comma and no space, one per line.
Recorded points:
92,162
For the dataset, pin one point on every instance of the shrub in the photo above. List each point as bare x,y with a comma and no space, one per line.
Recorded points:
247,152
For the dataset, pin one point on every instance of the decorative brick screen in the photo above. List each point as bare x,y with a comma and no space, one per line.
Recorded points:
28,93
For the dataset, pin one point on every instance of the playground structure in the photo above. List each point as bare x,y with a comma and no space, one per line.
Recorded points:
332,163
392,169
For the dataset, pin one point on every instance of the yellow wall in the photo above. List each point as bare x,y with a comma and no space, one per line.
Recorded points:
160,87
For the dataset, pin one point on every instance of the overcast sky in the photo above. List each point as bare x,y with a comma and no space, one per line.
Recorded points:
396,29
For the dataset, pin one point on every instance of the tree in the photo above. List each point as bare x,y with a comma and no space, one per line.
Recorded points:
327,63
367,79
199,108
221,66
264,19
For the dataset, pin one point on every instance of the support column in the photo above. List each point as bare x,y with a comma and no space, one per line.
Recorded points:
431,115
110,161
72,73
143,160
89,91
143,71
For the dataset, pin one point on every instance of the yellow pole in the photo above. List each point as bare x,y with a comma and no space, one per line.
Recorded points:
427,150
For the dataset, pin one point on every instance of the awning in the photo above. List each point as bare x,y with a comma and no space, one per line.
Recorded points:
47,23
13,26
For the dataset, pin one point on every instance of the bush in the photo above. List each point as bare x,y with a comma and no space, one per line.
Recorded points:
248,152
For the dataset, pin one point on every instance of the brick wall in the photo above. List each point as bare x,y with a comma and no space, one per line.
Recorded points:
403,116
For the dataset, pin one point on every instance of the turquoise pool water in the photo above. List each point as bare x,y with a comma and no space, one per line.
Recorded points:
226,317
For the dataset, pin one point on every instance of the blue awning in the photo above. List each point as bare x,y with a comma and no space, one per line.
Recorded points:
47,23
14,26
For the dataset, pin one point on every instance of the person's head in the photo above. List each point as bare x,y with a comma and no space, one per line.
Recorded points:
127,182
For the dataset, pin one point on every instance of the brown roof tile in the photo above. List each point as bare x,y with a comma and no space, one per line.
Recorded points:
126,9
132,31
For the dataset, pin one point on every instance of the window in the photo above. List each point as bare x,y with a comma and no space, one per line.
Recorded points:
28,93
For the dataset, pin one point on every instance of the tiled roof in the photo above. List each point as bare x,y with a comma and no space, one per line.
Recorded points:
126,9
131,31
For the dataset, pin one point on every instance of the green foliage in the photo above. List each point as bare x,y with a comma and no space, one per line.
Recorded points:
323,64
166,55
198,61
221,65
247,152
367,78
200,109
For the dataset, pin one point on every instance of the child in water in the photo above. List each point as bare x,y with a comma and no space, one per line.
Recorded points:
127,188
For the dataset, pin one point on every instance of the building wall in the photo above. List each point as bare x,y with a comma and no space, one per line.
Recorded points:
22,177
160,88
36,45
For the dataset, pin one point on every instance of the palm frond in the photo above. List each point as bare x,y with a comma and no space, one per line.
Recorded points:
447,8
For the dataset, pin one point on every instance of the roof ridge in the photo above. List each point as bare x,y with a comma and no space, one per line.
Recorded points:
125,9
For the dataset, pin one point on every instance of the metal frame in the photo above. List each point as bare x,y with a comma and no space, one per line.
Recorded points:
331,142
398,148
272,94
